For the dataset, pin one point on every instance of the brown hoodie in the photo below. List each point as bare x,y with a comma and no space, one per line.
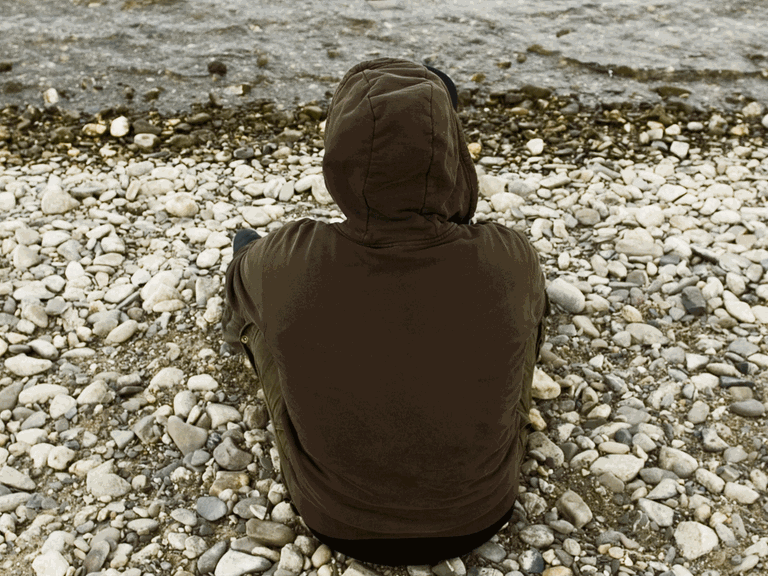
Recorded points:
400,334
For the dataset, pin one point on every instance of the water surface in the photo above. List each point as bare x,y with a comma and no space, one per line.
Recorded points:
617,50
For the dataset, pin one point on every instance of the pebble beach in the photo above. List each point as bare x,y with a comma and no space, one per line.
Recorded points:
133,442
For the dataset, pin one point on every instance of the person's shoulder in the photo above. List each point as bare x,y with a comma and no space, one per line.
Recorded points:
297,227
499,232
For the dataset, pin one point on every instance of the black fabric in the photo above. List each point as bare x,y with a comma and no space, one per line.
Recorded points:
412,551
243,238
448,84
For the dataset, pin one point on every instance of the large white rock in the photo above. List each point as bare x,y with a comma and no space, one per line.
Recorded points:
694,540
638,242
119,127
97,392
624,466
102,481
122,332
256,216
544,387
55,200
679,462
738,309
181,205
566,295
50,564
646,334
40,393
235,563
491,185
167,378
320,192
23,365
504,201
24,257
649,216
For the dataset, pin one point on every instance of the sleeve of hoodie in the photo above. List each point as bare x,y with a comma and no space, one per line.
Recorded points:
243,288
526,261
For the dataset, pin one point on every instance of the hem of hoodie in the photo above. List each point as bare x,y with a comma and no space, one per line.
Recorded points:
412,551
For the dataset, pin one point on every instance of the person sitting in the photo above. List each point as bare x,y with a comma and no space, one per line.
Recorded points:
395,349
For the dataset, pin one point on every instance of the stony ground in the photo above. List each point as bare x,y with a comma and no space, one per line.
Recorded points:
132,442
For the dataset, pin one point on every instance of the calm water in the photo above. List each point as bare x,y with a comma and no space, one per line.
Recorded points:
617,49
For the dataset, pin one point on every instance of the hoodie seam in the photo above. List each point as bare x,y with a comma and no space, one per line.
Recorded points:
431,148
370,157
426,243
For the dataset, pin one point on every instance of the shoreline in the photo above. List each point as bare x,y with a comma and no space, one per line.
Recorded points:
152,452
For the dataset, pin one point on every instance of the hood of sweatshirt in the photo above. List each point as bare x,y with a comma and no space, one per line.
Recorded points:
395,159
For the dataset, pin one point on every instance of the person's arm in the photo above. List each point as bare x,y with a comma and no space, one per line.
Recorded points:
242,305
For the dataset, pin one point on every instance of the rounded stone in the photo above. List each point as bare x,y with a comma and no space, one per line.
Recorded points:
694,539
566,295
181,205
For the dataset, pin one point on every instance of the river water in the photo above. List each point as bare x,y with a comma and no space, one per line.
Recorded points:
296,51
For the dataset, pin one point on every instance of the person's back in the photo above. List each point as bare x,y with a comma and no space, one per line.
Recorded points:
396,348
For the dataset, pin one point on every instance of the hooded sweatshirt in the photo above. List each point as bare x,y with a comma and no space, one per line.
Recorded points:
399,334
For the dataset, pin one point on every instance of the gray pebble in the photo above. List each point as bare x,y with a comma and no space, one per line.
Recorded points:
748,408
211,508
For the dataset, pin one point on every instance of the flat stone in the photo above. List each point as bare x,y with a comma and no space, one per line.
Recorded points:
535,146
320,192
539,442
202,383
122,332
15,479
638,242
9,395
666,488
211,508
10,502
698,412
40,393
143,526
573,507
221,414
677,461
748,408
230,457
187,437
23,365
490,185
181,205
207,561
646,334
50,564
740,493
741,311
543,386
566,295
101,481
711,481
167,378
531,562
662,515
96,557
624,466
491,551
693,301
234,563
59,457
537,535
269,533
97,392
291,559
